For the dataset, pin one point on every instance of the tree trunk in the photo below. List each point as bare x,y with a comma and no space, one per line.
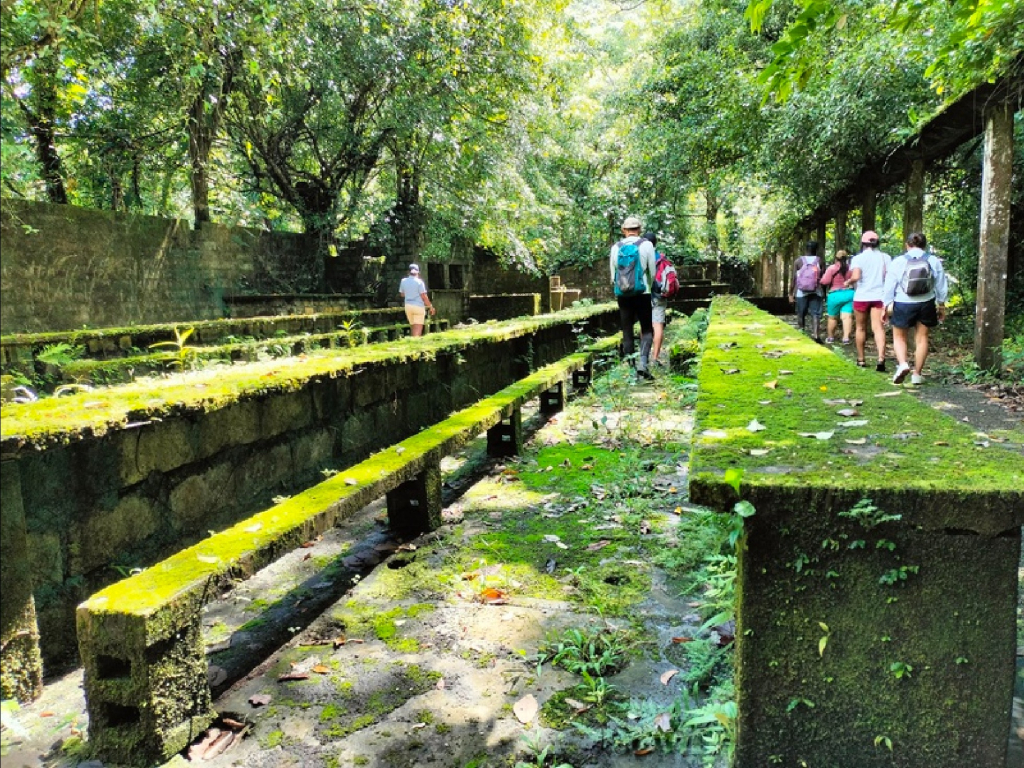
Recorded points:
42,120
822,236
867,210
913,204
996,187
199,156
842,236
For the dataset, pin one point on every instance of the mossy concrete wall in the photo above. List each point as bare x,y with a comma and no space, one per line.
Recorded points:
66,267
120,478
867,634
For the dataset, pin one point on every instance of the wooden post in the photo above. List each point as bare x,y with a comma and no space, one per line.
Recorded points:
997,173
867,209
913,204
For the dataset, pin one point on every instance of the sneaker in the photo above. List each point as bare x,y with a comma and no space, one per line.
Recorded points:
917,379
829,340
645,375
861,364
901,373
846,342
881,366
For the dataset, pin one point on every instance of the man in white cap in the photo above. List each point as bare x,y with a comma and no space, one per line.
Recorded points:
417,303
632,264
867,276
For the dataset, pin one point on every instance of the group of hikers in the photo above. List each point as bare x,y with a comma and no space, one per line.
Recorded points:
865,291
869,290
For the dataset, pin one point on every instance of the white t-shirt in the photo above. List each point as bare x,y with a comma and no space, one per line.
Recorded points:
873,265
412,289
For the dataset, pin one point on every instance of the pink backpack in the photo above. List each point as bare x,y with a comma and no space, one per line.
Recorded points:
807,276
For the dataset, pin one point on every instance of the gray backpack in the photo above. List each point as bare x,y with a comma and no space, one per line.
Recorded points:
918,277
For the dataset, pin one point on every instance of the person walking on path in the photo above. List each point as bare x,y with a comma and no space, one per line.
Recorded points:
417,303
658,305
632,263
839,299
915,296
867,276
805,290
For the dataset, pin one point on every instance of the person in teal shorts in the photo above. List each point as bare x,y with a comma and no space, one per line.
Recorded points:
839,304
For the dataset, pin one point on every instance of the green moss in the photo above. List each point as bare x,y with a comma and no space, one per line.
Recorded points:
760,368
272,739
67,418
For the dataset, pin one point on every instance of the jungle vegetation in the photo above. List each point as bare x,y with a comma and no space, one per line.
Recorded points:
528,126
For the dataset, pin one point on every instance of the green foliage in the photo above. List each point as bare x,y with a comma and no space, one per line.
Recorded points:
60,354
588,652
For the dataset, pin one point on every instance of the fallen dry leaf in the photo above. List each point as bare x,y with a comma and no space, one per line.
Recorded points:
817,435
667,676
664,722
759,451
578,706
219,745
293,676
644,751
440,684
890,394
197,752
598,545
233,724
714,433
525,709
260,699
847,412
47,713
493,596
682,639
320,669
772,384
857,441
755,426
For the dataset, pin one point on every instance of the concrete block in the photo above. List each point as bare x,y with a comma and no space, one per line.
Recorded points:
105,534
415,506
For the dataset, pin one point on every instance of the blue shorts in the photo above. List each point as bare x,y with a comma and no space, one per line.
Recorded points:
840,302
908,315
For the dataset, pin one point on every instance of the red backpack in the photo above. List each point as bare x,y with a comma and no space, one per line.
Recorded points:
666,281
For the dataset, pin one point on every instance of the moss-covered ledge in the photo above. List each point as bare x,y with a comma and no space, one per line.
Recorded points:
65,419
140,639
877,576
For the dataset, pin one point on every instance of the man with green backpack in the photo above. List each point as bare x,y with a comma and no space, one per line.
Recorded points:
632,271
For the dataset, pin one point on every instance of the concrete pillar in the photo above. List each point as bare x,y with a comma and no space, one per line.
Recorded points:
583,378
553,400
913,204
147,683
996,186
506,437
21,665
415,505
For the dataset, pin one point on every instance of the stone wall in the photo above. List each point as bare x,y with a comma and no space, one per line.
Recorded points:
103,500
64,267
504,306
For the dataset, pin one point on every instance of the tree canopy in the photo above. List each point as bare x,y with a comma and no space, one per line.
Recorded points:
530,127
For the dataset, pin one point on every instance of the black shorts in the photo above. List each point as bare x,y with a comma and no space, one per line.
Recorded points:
909,315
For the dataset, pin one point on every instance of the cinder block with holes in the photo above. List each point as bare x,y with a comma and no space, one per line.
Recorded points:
146,675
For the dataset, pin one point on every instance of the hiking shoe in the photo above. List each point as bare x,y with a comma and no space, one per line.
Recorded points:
901,373
645,375
829,340
881,366
861,364
917,379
